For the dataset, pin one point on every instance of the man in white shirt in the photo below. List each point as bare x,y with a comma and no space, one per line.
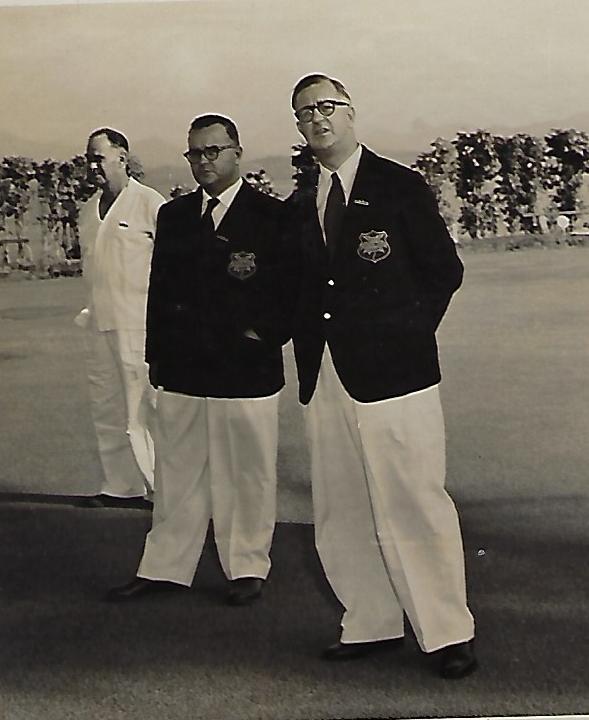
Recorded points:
117,230
378,271
217,317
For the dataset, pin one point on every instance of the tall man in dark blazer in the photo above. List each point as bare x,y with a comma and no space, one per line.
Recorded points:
216,322
379,269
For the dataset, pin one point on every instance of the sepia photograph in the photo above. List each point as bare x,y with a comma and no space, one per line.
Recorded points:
294,359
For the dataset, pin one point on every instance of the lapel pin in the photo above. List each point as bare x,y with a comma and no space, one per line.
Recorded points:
361,202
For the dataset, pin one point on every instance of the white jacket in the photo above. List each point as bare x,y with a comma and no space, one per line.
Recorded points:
116,256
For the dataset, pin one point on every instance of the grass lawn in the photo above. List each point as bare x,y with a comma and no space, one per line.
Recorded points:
514,350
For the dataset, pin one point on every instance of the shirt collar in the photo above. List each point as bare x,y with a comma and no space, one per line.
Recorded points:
118,201
226,197
346,172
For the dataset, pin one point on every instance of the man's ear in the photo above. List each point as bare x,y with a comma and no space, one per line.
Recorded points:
238,151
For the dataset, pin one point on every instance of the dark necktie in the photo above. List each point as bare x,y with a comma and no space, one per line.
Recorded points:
334,212
206,222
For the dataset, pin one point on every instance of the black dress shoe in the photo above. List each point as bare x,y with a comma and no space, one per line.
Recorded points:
352,651
93,501
139,587
457,661
110,501
245,590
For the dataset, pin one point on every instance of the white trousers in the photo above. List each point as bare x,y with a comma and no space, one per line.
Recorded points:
119,385
386,530
214,459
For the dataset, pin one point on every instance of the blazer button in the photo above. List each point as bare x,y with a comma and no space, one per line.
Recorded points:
327,316
330,282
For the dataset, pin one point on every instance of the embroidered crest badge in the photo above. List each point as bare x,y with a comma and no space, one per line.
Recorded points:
242,265
374,246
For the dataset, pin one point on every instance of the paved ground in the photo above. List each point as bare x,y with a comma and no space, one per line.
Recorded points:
65,655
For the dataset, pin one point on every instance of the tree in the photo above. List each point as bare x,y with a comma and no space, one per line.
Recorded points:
569,152
61,188
261,182
305,165
438,166
178,190
17,172
477,166
521,174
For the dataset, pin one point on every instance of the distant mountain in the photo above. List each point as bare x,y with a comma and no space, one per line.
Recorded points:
164,177
165,167
155,152
11,144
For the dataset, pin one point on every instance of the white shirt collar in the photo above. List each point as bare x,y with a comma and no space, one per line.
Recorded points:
129,188
346,173
225,198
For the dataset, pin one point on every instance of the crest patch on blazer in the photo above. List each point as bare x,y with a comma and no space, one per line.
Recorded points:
242,265
374,246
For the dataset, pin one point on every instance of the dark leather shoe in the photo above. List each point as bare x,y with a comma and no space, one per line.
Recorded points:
457,661
94,501
139,587
352,651
245,590
110,501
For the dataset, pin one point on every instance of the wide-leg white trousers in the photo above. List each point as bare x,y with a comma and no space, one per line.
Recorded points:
386,530
118,380
216,459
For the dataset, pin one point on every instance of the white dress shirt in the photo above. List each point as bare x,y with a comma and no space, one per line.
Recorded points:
346,173
225,199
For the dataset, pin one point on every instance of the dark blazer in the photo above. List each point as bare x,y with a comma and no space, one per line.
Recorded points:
380,300
206,291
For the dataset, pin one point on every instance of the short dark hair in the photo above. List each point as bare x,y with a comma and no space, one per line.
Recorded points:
203,121
314,79
114,137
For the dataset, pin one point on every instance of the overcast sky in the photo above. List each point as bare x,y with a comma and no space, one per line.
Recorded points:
149,68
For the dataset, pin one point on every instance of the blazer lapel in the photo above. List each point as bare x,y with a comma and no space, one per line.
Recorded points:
193,211
370,188
232,222
365,185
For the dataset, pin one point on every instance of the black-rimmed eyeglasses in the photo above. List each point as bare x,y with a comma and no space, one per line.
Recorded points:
325,107
210,152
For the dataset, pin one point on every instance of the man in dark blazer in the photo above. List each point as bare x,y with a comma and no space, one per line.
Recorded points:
379,269
217,317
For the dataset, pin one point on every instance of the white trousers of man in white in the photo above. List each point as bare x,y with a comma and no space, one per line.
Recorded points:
386,530
119,386
215,458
